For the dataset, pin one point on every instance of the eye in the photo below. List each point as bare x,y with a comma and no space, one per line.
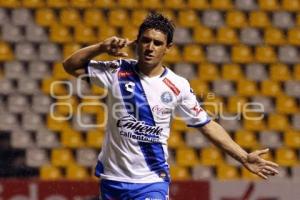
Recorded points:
158,43
146,40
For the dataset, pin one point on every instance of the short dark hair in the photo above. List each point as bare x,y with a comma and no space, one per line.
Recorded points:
158,22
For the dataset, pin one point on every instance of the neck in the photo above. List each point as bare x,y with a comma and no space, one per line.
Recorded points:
151,71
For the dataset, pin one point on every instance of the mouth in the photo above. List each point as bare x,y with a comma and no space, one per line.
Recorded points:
148,56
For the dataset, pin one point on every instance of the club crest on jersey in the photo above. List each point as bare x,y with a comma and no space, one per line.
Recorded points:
166,97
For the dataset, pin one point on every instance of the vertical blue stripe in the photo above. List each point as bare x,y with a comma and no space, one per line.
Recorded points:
153,152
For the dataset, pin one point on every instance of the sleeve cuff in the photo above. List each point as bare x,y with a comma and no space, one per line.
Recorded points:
200,124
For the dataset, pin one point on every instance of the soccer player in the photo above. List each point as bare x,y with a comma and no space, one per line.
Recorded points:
143,95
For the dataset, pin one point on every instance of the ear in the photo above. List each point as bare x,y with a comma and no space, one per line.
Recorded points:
169,47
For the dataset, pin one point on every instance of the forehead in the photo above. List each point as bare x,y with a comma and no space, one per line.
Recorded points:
155,34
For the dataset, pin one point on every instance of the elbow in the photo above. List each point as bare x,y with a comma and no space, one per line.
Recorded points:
66,65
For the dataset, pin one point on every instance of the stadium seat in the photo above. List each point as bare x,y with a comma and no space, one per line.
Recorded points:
54,124
4,17
17,103
151,4
50,173
118,18
246,5
256,72
131,4
246,139
71,139
130,32
221,5
271,88
280,72
86,157
175,140
250,36
223,88
179,173
188,18
200,172
246,88
292,88
10,4
170,14
70,17
25,51
137,17
35,33
84,34
217,54
213,105
173,55
208,72
186,157
95,138
6,86
211,156
38,70
198,4
61,107
61,157
47,139
230,122
247,175
57,3
286,157
232,72
268,5
278,122
266,102
212,19
12,33
292,139
186,70
8,122
265,54
33,3
21,17
76,172
203,35
182,36
193,53
21,139
6,53
290,5
294,36
259,19
92,17
270,139
227,172
14,69
288,54
200,87
81,4
83,121
296,72
283,20
104,4
106,31
49,52
36,157
241,54
235,104
255,123
174,4
178,124
32,121
41,103
45,17
60,34
274,36
286,105
195,139
236,19
28,86
70,48
227,36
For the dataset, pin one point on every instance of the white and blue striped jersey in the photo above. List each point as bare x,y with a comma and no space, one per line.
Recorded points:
140,109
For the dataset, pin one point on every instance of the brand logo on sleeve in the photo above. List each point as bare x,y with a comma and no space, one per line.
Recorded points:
166,97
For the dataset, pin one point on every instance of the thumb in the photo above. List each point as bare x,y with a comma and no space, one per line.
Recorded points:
264,151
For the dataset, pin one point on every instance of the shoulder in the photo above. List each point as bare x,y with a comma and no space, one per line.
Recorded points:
181,82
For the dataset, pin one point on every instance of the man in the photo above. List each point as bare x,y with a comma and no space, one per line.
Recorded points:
132,164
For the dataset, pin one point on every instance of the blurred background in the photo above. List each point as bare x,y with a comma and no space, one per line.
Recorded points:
232,51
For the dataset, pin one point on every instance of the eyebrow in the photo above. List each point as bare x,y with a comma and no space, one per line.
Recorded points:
155,40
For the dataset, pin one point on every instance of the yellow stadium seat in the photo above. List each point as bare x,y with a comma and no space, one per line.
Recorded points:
236,19
227,172
269,5
151,4
33,3
259,19
188,18
93,17
10,3
50,173
254,123
274,36
179,173
235,104
57,3
247,88
232,72
203,35
221,5
76,172
200,87
70,17
71,139
270,88
186,157
55,124
137,17
130,4
198,4
106,31
170,14
175,140
286,105
174,4
193,53
91,106
130,32
61,157
265,54
96,90
173,55
290,5
60,34
286,157
118,18
247,175
81,3
241,54
45,17
208,72
178,125
6,53
70,48
227,35
72,103
280,72
294,36
292,139
296,72
104,4
213,105
246,139
211,156
58,88
59,72
95,138
85,34
278,122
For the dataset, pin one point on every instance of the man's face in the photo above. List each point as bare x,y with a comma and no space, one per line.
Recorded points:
151,47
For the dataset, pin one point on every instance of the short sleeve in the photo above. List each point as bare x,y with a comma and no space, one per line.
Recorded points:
100,72
189,109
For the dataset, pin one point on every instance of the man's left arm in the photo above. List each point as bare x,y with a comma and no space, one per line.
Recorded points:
252,161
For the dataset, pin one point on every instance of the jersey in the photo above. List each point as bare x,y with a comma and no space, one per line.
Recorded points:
140,110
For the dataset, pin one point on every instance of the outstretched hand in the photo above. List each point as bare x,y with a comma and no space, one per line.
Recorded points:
259,166
113,46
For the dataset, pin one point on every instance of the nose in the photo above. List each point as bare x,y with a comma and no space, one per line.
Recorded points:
150,46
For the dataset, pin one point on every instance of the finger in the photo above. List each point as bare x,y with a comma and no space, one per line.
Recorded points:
272,164
122,54
270,169
123,43
261,152
131,43
262,175
114,42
